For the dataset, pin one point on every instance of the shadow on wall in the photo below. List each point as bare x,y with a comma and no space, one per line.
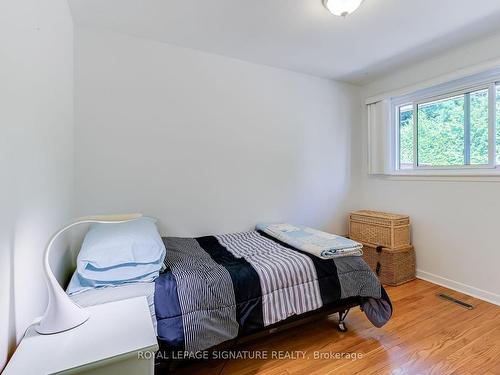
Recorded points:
9,324
23,278
11,321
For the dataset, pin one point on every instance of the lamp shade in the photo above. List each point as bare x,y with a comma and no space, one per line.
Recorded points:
62,313
342,7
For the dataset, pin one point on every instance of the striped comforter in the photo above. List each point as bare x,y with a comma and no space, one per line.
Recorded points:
218,287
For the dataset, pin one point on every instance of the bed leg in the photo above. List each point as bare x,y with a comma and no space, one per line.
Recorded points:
342,315
164,365
163,368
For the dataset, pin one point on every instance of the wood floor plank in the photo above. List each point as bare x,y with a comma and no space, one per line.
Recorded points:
426,335
441,343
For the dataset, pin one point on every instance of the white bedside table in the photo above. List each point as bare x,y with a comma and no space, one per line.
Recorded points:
110,342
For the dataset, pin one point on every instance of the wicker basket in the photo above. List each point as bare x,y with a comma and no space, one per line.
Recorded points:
392,266
380,229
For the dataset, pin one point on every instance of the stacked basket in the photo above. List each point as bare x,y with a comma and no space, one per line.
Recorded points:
386,244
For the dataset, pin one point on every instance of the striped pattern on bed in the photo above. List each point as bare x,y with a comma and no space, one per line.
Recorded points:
288,278
365,283
207,300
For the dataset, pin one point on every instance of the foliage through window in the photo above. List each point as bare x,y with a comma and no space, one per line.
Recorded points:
450,131
406,136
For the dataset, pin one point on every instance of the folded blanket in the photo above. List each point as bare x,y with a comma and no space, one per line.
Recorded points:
321,244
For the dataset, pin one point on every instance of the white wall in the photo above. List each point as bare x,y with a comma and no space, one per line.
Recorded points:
206,143
455,223
36,152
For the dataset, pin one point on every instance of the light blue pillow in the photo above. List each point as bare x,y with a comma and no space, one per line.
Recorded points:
79,284
117,274
121,251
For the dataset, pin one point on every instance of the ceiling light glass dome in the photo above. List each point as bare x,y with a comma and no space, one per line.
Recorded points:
342,7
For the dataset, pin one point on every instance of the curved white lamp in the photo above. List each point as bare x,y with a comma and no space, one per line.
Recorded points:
62,313
342,7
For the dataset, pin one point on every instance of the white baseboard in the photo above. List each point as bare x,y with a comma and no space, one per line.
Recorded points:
459,287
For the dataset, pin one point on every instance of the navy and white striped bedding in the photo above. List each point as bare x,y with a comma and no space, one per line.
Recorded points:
218,287
288,279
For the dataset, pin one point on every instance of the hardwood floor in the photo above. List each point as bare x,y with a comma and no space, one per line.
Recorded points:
426,335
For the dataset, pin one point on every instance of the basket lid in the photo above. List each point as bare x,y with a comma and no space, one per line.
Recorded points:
379,214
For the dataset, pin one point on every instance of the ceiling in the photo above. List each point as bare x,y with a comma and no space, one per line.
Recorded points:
301,35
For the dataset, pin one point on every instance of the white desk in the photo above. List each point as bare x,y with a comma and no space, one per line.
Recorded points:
110,342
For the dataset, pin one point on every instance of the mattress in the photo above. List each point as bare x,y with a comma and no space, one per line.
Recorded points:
99,296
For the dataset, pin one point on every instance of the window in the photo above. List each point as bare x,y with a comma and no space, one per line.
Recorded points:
448,129
440,132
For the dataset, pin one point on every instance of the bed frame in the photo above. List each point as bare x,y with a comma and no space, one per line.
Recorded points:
166,365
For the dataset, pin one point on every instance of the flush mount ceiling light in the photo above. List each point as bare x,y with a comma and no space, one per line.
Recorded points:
342,7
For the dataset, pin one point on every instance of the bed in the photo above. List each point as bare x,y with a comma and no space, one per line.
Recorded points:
215,289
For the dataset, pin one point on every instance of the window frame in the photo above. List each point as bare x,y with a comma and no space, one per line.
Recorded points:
485,81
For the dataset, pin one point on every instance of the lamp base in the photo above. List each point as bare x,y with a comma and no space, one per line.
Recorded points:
62,314
48,329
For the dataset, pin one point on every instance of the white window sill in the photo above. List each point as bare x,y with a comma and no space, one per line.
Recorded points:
472,174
